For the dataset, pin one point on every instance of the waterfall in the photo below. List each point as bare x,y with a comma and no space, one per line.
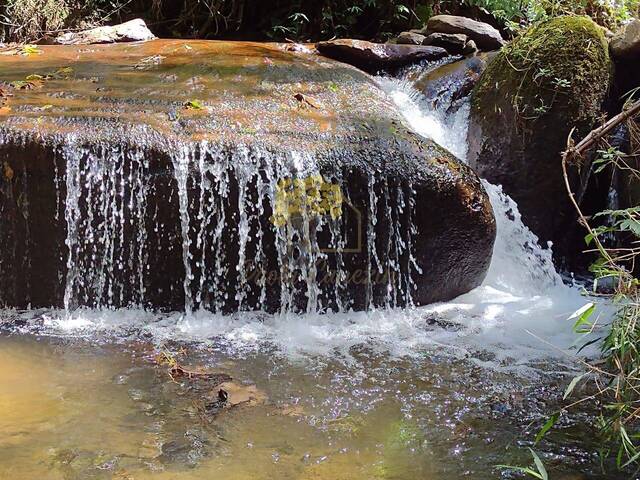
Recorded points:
523,301
230,207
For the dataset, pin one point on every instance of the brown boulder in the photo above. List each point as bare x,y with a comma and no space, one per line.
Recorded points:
372,57
410,38
453,43
224,176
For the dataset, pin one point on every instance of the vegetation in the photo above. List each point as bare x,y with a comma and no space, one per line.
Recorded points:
615,378
610,384
30,20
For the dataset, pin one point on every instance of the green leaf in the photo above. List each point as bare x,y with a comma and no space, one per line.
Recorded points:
546,427
194,105
539,466
30,50
572,385
582,315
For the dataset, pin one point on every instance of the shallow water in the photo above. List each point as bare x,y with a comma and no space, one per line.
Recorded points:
76,409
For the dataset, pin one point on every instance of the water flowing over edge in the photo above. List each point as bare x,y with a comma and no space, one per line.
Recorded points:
506,322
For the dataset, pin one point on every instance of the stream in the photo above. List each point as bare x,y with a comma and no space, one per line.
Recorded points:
446,391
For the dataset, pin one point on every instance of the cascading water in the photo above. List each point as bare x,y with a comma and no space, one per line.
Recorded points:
231,209
522,302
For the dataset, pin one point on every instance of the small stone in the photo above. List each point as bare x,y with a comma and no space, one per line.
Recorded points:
470,48
453,43
410,38
626,42
485,36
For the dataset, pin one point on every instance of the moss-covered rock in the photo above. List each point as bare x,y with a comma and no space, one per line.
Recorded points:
551,79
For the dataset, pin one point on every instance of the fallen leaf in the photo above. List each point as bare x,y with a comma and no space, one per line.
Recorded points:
30,50
25,84
8,171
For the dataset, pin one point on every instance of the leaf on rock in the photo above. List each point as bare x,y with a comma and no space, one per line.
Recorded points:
194,105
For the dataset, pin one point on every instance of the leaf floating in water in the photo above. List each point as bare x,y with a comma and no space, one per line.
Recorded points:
29,50
4,94
64,72
25,84
148,62
194,105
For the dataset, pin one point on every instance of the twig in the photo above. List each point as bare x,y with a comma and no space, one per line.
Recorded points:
596,134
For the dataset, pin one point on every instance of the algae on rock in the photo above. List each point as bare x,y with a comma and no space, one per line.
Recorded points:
551,79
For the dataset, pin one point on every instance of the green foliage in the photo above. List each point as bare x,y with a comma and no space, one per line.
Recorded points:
30,19
614,379
606,13
341,18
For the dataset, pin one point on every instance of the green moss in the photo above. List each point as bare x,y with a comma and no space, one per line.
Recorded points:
559,67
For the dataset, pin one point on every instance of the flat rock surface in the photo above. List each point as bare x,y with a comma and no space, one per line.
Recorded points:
173,90
370,56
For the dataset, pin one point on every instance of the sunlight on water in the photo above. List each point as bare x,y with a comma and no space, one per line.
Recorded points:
71,409
522,304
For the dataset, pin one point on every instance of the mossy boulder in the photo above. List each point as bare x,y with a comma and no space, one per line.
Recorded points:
550,80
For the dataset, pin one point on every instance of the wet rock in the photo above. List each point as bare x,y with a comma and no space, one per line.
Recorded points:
453,43
625,44
520,119
113,202
372,57
448,84
187,450
239,394
470,48
131,31
485,36
410,38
